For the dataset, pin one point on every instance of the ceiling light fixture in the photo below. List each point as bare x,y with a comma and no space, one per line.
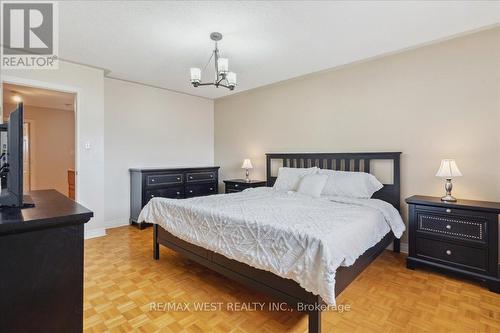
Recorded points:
223,77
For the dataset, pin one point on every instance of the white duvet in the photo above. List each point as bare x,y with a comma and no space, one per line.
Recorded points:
291,235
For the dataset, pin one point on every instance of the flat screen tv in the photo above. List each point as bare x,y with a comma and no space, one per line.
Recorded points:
12,196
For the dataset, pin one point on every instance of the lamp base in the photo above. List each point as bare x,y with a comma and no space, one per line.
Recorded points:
448,186
448,198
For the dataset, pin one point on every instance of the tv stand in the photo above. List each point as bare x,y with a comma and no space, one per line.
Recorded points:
41,265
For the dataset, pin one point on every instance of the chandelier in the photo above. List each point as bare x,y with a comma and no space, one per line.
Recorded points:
223,77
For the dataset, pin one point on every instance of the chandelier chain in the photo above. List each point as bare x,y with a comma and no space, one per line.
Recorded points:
208,62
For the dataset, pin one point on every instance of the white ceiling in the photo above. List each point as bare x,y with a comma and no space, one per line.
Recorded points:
156,42
38,97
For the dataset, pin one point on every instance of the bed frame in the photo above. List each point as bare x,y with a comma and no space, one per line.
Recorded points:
282,289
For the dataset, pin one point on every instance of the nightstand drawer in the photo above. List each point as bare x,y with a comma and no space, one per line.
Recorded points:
236,187
449,210
200,176
460,227
169,179
452,253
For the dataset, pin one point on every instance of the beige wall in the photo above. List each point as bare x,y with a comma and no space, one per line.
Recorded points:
438,101
52,146
150,127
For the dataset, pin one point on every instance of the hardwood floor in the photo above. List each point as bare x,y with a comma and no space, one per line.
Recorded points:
123,282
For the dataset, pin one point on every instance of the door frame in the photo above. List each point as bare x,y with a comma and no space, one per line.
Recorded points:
57,87
32,130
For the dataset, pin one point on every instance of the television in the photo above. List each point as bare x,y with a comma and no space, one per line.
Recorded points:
12,168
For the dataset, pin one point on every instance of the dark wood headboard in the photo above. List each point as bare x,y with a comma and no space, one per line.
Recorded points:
342,162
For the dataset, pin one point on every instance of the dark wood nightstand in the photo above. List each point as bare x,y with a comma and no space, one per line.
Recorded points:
238,185
459,237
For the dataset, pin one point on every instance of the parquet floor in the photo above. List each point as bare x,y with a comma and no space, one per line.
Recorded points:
122,280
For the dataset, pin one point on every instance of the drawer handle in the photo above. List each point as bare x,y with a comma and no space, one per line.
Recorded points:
178,193
178,179
152,195
211,189
448,210
152,180
190,191
448,227
211,176
190,177
448,252
236,185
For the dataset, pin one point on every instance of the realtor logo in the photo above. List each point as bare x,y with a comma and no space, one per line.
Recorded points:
29,35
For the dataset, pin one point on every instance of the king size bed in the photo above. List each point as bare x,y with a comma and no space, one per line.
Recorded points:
300,249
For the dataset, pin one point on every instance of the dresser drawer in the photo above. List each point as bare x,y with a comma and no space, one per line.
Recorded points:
201,176
166,179
455,226
195,190
170,192
452,253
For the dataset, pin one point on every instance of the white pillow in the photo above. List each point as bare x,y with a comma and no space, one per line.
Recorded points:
289,178
350,184
312,185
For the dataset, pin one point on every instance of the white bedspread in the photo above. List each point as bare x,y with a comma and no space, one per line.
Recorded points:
291,235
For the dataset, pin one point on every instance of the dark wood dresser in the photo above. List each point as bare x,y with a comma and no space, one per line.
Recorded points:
459,237
41,265
238,185
174,183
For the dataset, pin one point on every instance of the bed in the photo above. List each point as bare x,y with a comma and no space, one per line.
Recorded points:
245,237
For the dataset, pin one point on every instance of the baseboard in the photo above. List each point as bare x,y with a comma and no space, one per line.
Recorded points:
403,247
117,223
100,232
93,233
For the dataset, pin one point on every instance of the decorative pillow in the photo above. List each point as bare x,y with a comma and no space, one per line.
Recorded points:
289,178
350,184
312,185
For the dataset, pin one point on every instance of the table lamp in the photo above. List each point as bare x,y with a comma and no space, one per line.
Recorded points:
247,164
448,170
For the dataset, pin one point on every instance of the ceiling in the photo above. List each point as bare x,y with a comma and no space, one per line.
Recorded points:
42,98
156,42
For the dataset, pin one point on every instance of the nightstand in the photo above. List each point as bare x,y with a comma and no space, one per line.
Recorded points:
238,185
459,237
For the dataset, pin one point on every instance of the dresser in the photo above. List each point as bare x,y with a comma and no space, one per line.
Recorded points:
238,185
174,183
41,265
459,238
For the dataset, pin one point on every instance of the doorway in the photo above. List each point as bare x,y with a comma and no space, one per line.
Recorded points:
48,136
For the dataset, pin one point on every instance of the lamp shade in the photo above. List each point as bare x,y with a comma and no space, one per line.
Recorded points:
223,65
195,75
247,164
231,79
448,169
